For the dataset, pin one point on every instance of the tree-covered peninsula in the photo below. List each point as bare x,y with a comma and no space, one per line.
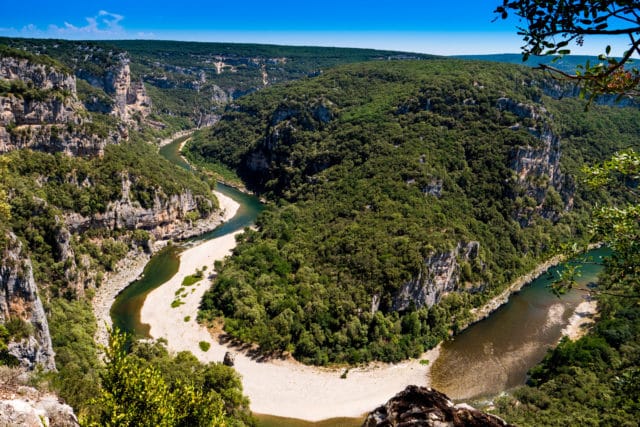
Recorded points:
405,194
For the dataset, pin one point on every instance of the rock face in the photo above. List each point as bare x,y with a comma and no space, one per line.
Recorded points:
538,174
129,97
285,121
538,178
19,300
420,406
441,274
45,113
162,219
22,406
39,75
229,359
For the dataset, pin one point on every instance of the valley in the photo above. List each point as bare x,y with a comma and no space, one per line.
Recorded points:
402,194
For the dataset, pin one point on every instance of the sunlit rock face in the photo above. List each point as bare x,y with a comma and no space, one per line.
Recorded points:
19,301
41,111
441,274
421,406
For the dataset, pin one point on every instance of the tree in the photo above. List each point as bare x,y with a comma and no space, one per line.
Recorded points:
5,209
136,394
593,381
553,25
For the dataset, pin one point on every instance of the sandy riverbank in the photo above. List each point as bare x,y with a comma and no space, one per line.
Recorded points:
180,134
279,387
132,266
284,387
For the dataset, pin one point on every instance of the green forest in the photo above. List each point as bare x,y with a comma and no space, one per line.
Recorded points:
372,168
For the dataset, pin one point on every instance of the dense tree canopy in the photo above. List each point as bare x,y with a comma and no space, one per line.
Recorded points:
377,167
149,387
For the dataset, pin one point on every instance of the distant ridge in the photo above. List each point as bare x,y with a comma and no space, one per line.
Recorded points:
566,63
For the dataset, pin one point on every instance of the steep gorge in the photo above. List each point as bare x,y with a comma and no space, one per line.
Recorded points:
41,109
83,199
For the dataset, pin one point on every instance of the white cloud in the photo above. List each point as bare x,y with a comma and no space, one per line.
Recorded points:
103,25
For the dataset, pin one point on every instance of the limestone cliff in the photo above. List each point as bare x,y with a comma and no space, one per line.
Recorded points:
130,97
39,109
538,174
441,274
19,302
420,406
25,406
538,180
109,71
163,219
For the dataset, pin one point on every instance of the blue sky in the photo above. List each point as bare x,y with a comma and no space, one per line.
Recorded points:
429,26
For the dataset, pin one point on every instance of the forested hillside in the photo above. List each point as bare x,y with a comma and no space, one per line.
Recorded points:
95,191
403,194
182,85
79,191
406,193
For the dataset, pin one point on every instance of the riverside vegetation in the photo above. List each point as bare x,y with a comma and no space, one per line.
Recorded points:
46,199
372,168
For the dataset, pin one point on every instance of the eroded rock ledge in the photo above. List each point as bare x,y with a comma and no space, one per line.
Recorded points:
421,406
25,406
19,300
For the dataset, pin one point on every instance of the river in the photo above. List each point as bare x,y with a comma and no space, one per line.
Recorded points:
495,354
125,311
487,358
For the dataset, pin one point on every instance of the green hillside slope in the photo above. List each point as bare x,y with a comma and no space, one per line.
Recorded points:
397,186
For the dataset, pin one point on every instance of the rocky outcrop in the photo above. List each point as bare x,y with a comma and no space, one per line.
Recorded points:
229,359
433,188
520,109
421,406
163,219
538,174
19,302
274,149
130,98
441,274
52,138
539,182
36,75
27,407
41,111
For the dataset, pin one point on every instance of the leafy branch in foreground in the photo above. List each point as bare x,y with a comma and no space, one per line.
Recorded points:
619,226
136,394
552,26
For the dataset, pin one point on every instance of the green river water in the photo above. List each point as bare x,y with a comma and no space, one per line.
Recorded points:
495,354
489,357
125,311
